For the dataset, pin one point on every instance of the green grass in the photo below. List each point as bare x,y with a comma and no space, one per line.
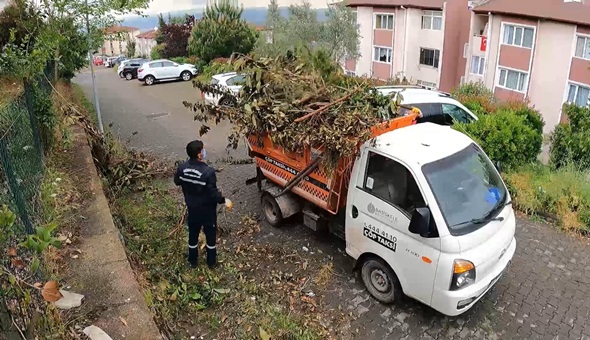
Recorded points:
564,193
80,98
233,301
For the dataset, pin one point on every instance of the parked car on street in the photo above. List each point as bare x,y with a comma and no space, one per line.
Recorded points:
165,70
436,107
110,62
98,61
130,70
128,62
231,81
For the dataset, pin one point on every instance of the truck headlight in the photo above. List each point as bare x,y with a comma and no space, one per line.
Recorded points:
463,274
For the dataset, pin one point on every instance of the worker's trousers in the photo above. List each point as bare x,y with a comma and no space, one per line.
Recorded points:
207,220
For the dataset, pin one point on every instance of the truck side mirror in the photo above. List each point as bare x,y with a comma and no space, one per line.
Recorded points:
420,223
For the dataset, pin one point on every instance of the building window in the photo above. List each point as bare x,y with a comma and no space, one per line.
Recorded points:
384,21
583,47
432,20
579,95
518,36
382,54
513,80
477,65
429,57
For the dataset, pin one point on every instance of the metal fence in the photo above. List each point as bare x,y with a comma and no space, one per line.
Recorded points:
21,155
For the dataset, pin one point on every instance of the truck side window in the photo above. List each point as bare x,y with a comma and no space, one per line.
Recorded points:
392,182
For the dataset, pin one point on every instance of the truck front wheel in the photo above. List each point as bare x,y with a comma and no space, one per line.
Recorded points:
380,280
271,210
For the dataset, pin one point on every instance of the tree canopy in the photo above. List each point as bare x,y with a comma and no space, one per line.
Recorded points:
221,32
338,35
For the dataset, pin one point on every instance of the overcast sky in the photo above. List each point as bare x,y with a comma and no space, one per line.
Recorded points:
163,6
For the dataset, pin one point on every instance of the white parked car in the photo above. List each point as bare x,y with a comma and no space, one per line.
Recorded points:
230,81
164,70
437,107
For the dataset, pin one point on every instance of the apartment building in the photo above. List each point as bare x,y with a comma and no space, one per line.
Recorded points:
532,49
421,40
146,41
116,38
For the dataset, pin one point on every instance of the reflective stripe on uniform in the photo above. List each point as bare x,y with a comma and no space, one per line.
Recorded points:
192,181
193,247
211,247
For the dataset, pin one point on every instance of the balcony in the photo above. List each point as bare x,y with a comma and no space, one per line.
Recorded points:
478,45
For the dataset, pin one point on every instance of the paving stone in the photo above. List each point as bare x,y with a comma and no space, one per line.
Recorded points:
534,300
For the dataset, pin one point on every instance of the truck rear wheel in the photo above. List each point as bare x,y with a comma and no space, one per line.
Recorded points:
380,280
271,210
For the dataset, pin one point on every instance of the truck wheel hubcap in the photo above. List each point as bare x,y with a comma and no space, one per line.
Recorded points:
269,211
379,280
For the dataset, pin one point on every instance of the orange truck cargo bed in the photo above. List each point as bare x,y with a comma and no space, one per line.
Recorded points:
326,192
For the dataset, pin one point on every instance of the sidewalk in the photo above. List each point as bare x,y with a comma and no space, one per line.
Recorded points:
102,272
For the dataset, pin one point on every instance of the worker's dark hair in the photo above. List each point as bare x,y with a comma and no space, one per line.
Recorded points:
194,148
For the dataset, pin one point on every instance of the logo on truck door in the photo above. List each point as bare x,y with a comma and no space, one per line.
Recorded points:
380,236
382,214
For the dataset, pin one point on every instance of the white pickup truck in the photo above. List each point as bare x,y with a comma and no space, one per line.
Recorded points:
424,212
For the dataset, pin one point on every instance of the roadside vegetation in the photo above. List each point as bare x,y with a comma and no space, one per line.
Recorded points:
42,47
512,133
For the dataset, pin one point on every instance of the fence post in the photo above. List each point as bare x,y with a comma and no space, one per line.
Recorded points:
29,103
17,194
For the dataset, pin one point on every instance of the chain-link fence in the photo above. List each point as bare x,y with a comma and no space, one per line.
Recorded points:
21,154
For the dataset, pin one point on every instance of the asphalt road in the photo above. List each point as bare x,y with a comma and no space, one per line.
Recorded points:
153,118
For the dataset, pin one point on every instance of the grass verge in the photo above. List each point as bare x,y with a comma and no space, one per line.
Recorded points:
562,195
28,265
258,287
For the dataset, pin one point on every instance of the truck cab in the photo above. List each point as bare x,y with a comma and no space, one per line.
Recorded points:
428,215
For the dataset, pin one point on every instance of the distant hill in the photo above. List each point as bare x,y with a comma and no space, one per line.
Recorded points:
256,15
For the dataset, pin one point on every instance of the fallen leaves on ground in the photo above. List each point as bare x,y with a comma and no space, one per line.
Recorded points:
50,291
12,251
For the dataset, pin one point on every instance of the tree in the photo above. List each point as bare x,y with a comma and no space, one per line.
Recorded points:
131,45
90,16
221,32
338,35
174,36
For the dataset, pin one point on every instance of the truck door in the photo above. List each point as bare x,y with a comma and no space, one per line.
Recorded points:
383,199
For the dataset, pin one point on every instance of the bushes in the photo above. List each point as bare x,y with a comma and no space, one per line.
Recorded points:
212,69
477,98
570,143
157,52
180,60
506,138
562,194
510,133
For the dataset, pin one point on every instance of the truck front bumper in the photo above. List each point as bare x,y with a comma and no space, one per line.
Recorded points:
453,303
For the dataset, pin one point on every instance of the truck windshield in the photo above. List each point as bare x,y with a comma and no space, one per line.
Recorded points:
467,188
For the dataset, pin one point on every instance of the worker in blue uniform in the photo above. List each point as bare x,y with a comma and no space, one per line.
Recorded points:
201,195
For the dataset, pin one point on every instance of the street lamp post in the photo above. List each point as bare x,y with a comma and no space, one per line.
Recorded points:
91,62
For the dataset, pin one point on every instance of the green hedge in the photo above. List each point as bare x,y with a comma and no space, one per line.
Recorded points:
214,68
510,133
570,143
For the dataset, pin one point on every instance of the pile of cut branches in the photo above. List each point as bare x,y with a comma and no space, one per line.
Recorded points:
299,105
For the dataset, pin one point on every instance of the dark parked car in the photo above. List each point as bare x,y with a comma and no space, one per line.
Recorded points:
130,70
